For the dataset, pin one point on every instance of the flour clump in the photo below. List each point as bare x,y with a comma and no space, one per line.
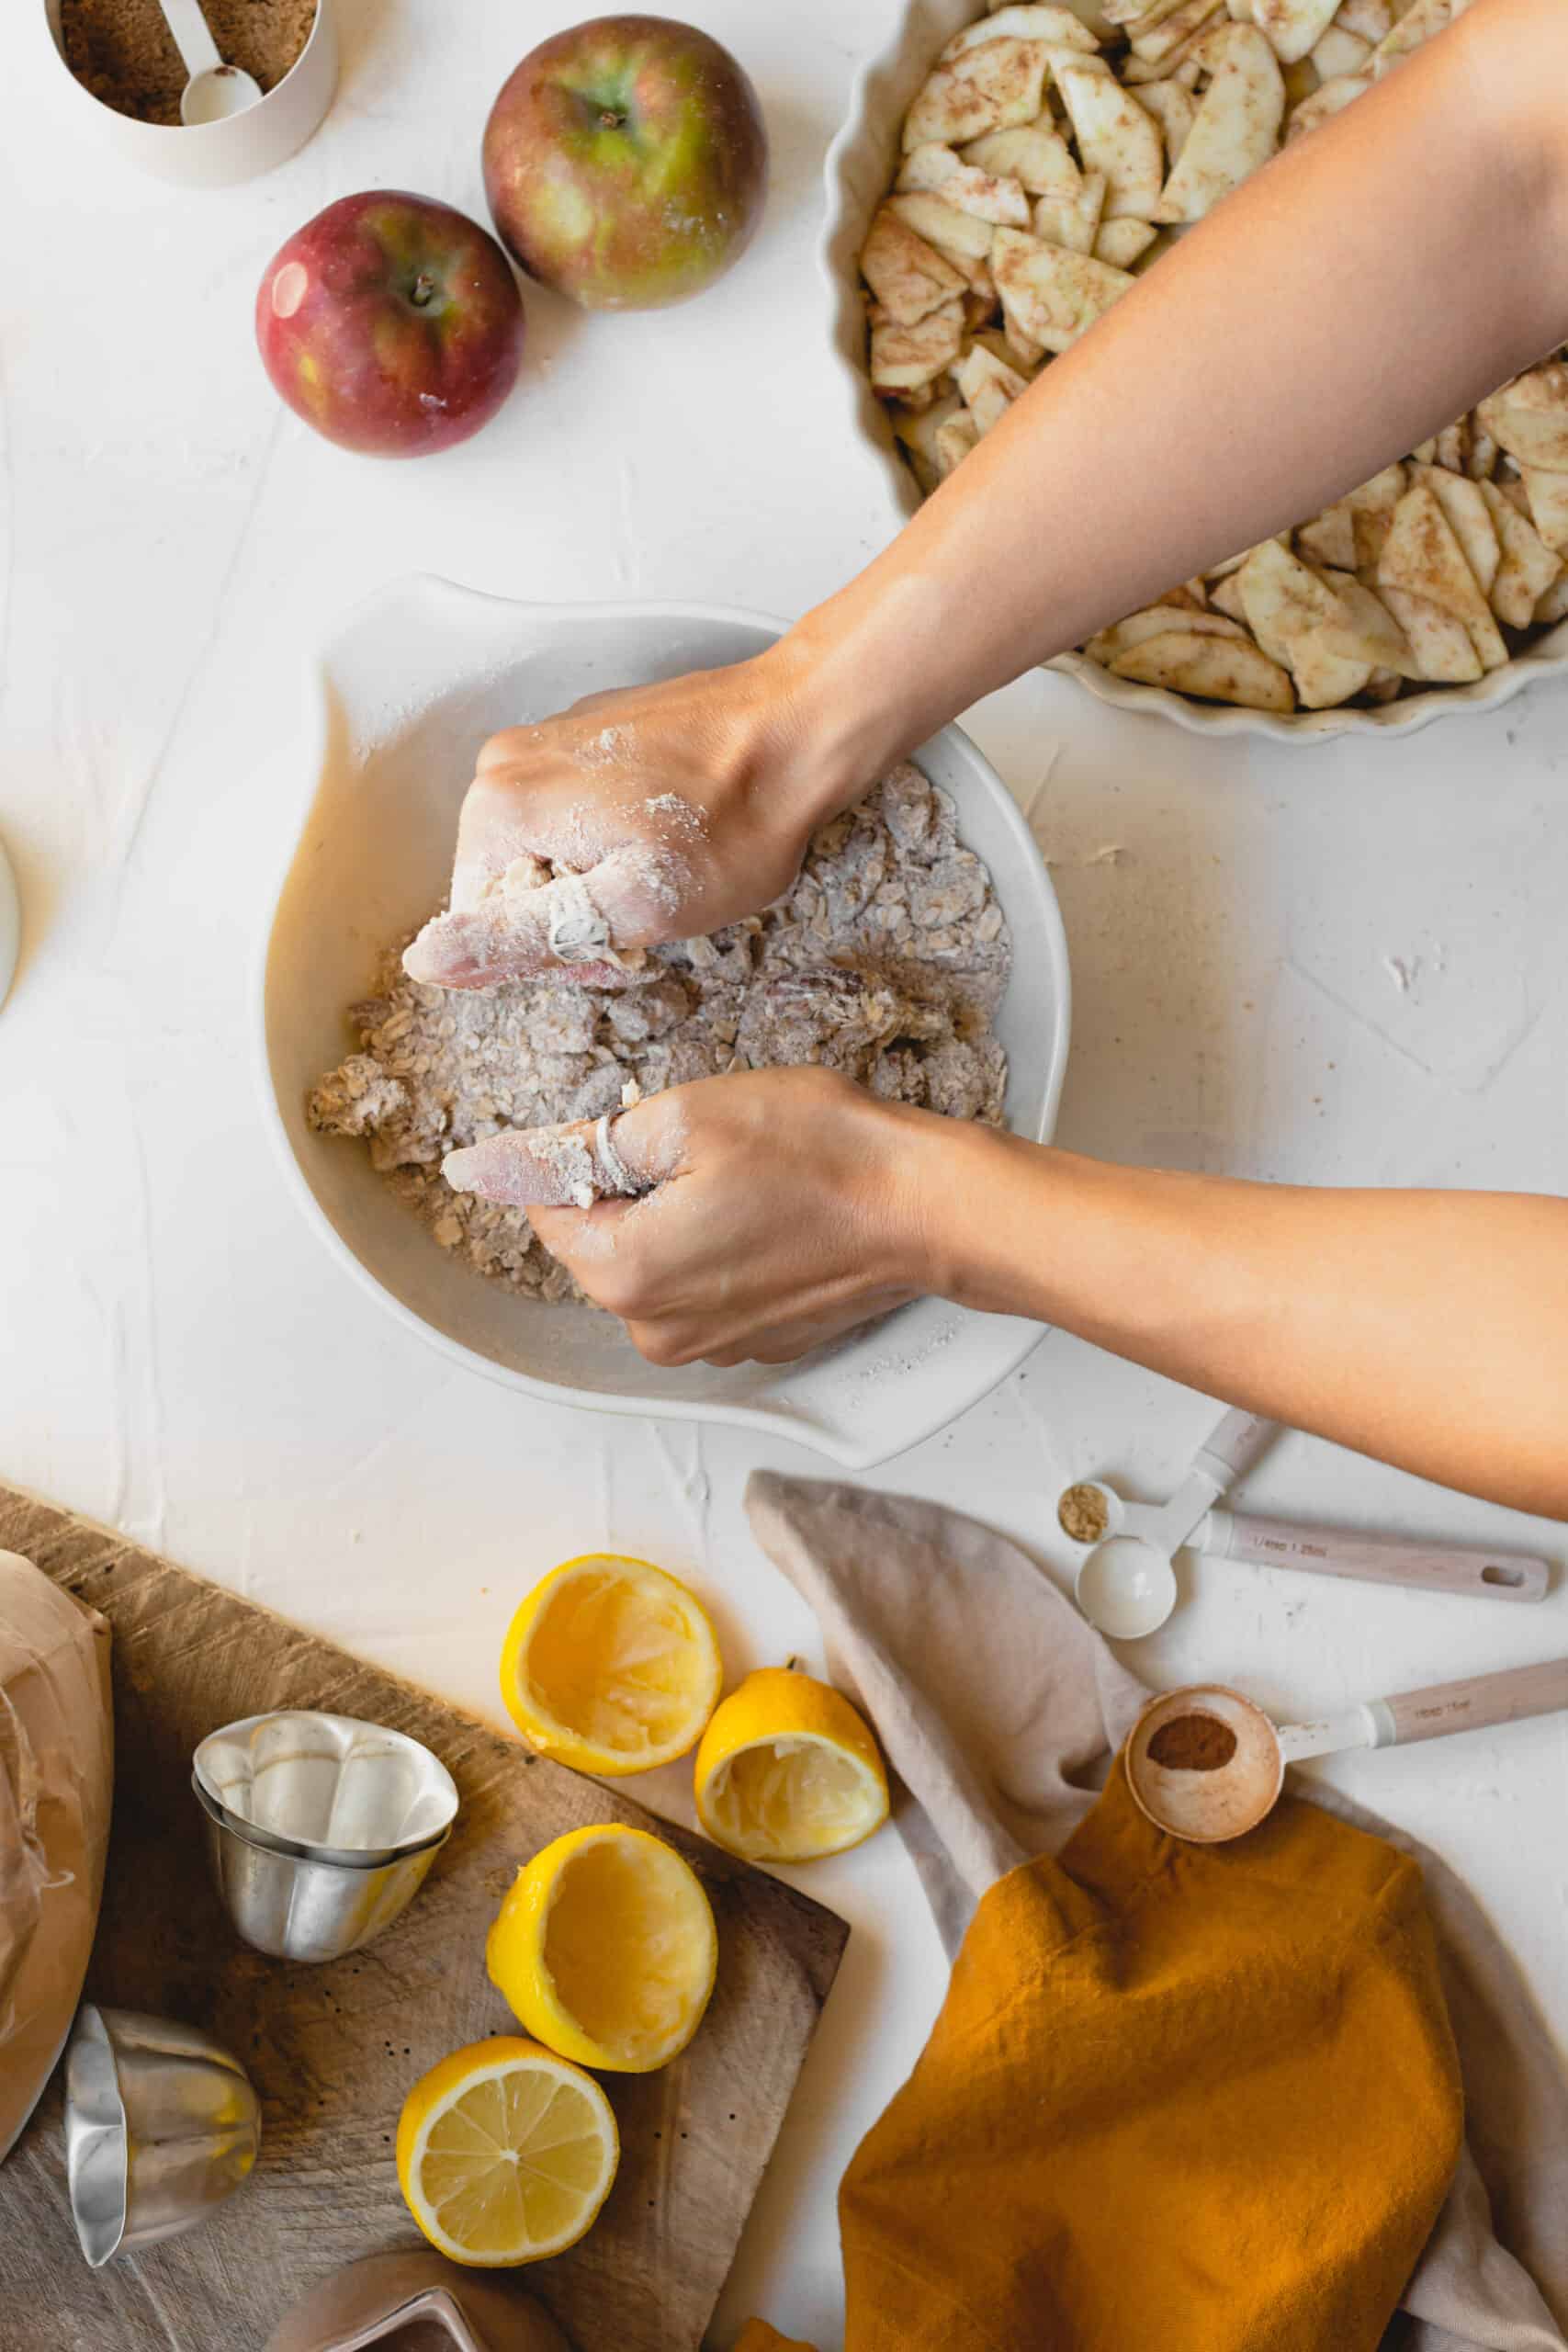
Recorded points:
886,960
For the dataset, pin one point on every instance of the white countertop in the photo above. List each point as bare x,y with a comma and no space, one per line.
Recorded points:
1332,966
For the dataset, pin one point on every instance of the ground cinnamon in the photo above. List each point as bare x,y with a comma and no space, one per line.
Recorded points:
1192,1744
123,52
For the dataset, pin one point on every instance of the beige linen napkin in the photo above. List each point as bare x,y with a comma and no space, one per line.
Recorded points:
999,1709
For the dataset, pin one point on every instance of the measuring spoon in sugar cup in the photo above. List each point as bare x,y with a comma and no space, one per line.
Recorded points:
1207,1765
213,91
1126,1587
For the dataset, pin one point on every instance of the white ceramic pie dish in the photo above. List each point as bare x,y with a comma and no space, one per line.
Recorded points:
402,700
859,172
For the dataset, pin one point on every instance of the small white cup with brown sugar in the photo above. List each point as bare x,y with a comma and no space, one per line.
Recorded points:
120,61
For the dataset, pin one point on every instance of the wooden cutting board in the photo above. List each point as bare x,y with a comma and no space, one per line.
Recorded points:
333,2049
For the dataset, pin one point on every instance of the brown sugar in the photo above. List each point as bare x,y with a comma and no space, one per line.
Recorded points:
123,52
1192,1744
1082,1514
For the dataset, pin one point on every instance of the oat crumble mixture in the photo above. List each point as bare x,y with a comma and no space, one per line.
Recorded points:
886,960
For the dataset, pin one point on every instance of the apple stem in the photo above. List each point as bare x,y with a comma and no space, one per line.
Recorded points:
611,120
424,287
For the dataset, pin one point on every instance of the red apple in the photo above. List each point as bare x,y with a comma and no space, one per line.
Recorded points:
391,324
626,163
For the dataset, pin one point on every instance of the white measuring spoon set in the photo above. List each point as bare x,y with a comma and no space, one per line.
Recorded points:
1127,1585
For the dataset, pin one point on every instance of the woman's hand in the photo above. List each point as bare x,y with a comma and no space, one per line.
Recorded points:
788,1205
669,809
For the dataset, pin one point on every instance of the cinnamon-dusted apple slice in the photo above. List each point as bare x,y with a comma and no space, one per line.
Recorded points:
1293,28
1236,129
1340,52
955,439
1330,99
1175,109
1330,538
993,87
938,171
989,386
1453,446
1059,26
1069,216
958,236
1553,606
1122,243
1371,20
1214,669
905,358
1289,610
1422,556
1529,417
1362,628
1466,514
1115,138
1141,16
1159,45
1372,510
1054,295
1441,646
1036,155
1156,620
1547,495
1526,567
917,431
1417,25
907,276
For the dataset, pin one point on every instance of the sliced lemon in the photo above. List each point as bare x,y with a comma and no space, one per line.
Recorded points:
611,1666
789,1771
605,1947
505,2153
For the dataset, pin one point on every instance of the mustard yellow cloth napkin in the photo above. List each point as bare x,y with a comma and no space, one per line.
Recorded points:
1205,2100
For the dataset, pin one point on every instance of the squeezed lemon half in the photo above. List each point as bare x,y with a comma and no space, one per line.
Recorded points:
789,1771
505,2153
605,1948
611,1666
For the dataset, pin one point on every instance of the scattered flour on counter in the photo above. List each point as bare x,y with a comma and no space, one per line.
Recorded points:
886,960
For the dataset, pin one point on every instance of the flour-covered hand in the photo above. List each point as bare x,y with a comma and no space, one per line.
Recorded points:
782,1207
653,813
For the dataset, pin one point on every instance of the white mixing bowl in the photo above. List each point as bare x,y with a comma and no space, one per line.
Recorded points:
406,695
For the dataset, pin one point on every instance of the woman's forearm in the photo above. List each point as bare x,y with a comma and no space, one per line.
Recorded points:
1370,286
1429,1329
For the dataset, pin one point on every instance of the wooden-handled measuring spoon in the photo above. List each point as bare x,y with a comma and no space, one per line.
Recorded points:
1206,1764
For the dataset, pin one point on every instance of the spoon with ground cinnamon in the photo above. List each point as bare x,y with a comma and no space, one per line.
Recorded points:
1206,1764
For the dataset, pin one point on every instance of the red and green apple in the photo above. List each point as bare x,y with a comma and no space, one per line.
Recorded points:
391,324
626,163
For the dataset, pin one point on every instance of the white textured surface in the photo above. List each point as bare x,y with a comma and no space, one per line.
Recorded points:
1345,965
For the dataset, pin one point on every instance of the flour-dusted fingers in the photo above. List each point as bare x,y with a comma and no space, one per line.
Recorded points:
654,813
533,917
574,1166
775,1210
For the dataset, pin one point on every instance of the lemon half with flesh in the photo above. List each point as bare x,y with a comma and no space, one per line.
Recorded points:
505,2153
605,1948
611,1666
789,1771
